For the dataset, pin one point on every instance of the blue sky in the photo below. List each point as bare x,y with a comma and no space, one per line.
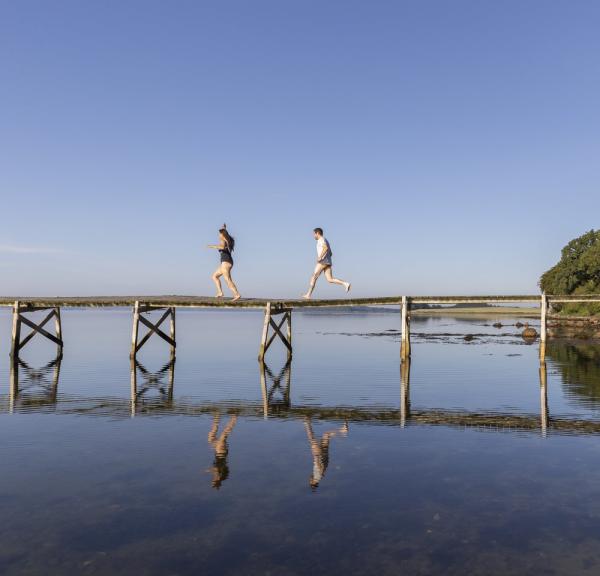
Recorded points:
445,146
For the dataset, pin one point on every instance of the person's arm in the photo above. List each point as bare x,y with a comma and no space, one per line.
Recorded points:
324,251
217,246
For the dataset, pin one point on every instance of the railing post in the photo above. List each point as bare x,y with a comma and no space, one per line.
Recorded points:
405,343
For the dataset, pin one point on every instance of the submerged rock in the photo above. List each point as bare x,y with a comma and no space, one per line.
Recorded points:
469,337
497,325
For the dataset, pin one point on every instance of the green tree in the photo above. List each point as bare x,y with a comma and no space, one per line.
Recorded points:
577,272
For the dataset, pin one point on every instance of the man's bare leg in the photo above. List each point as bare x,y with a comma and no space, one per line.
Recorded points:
313,280
332,280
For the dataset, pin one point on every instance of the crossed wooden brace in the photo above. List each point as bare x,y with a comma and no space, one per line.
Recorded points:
153,327
269,323
36,327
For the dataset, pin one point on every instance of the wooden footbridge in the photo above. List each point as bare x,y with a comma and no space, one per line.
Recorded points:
278,313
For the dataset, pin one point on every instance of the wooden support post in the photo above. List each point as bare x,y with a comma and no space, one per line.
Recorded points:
19,318
270,324
289,332
543,330
172,332
58,329
405,343
153,328
136,326
543,398
404,391
16,332
265,333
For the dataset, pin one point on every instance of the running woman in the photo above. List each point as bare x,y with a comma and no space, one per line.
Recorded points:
225,248
324,264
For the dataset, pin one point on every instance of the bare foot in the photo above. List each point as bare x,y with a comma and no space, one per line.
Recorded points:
348,286
236,297
219,295
306,296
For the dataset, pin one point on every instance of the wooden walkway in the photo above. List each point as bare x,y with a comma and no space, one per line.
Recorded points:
211,302
277,322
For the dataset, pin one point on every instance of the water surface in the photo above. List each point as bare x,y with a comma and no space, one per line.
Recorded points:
471,460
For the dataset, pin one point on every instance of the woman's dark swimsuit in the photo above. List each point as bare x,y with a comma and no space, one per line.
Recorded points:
226,255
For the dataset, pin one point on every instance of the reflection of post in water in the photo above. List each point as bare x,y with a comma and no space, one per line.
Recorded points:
404,391
543,398
220,468
152,381
271,383
320,450
23,377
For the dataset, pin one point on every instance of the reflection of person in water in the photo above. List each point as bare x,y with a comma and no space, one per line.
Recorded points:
320,450
220,469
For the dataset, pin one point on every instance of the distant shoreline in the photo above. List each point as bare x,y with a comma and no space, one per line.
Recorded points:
526,312
451,311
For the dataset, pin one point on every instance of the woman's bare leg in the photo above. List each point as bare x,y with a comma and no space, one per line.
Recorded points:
332,280
216,279
313,280
226,271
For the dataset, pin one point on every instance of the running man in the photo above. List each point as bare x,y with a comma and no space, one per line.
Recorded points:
320,450
324,264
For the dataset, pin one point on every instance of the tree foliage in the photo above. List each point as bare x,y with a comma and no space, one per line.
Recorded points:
577,272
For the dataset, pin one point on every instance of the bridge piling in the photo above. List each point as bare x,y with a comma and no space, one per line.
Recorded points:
270,324
19,318
543,329
405,341
139,310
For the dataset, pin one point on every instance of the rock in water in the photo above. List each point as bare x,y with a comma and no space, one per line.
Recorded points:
529,332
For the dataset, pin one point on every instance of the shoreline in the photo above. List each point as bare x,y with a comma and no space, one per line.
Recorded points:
484,311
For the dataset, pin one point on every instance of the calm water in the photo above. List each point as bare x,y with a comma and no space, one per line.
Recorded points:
470,461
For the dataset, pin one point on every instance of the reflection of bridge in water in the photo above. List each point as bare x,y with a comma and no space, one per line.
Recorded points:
30,387
152,393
